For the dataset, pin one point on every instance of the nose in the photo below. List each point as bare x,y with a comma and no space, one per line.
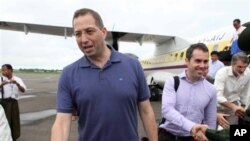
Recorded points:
203,65
84,39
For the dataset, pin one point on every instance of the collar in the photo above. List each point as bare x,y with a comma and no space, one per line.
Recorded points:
183,76
114,58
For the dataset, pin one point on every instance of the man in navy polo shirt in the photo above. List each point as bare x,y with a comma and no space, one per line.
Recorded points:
105,87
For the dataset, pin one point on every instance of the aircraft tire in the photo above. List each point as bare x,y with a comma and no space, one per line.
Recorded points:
155,93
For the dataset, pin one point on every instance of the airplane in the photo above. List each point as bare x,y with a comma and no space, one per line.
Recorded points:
169,54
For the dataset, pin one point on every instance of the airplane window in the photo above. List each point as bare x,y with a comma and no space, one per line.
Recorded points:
181,56
215,47
176,55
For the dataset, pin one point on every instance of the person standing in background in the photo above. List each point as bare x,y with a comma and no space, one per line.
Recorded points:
10,87
214,64
239,28
232,84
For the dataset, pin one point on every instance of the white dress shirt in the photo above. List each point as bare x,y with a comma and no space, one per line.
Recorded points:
231,88
10,89
238,32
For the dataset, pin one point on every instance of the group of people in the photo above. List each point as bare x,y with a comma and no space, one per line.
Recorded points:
106,89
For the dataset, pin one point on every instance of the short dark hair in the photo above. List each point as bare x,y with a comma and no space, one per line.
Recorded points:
193,47
215,53
8,66
85,11
236,20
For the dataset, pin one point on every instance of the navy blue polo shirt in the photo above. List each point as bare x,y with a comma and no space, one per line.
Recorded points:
106,99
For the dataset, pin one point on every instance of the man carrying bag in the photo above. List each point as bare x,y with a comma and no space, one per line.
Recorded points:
10,87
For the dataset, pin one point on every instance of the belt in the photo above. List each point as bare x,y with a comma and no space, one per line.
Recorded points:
175,137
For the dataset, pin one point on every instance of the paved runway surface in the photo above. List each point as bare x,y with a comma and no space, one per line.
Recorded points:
37,108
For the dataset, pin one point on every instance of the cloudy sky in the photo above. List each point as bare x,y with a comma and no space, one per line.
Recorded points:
185,18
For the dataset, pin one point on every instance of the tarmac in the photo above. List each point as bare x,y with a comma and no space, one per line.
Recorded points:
37,108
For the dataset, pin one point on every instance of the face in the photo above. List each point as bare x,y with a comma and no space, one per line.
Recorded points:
89,37
214,57
239,67
236,25
197,64
6,72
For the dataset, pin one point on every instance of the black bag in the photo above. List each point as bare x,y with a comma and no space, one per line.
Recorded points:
225,55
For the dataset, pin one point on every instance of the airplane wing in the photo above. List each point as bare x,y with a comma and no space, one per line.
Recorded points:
112,37
37,28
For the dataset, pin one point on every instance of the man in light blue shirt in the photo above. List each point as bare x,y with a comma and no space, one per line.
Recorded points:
214,64
193,104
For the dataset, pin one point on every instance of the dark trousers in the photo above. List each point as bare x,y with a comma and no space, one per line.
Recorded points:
164,135
11,109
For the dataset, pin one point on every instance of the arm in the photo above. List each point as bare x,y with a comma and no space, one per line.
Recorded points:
168,107
211,111
221,120
148,119
19,83
244,95
219,83
21,88
61,127
3,83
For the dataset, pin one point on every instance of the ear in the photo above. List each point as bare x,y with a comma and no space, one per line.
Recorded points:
104,32
187,61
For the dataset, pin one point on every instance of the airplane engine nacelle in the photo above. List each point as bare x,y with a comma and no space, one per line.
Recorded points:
244,40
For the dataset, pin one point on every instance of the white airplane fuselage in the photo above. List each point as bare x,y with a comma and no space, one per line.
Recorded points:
169,57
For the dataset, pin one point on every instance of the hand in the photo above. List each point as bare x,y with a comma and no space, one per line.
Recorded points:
198,127
4,82
221,120
239,111
200,136
13,81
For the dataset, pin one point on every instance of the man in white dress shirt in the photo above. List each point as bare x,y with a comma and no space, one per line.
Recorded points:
10,86
232,85
239,28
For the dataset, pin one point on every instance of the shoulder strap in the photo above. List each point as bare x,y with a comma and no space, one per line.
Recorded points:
2,91
176,83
